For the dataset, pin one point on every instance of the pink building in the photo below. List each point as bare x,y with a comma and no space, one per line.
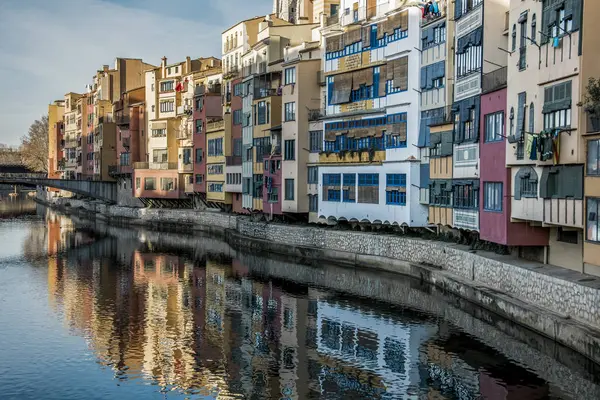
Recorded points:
495,225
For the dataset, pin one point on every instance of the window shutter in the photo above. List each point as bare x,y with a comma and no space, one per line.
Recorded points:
521,115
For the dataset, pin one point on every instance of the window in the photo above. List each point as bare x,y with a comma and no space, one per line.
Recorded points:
263,147
198,104
273,195
167,184
557,106
349,188
290,150
593,227
187,156
167,106
290,111
159,133
362,93
198,156
214,169
466,196
468,5
124,158
138,183
492,192
313,175
528,186
149,184
313,203
395,189
368,188
199,179
237,117
567,236
514,38
215,147
167,86
289,189
160,156
494,127
333,9
290,75
331,187
470,125
215,187
315,141
469,61
593,157
262,113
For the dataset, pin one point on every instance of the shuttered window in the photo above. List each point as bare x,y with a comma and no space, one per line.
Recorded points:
368,188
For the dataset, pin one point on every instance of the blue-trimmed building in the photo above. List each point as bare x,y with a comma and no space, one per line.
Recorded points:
369,167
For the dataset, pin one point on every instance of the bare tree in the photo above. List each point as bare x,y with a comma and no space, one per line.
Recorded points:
34,146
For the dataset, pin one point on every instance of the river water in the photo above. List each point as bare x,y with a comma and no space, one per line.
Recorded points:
90,311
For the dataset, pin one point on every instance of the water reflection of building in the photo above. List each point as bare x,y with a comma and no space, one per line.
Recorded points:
210,326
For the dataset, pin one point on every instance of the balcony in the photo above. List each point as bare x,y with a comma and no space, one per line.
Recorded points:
184,110
494,80
122,118
442,5
189,167
563,212
231,161
332,20
106,119
264,92
155,165
315,114
184,134
262,67
470,21
231,72
466,219
248,70
215,126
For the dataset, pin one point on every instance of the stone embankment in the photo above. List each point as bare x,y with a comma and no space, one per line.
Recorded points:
561,304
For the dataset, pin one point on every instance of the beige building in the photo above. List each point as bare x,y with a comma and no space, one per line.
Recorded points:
545,148
56,112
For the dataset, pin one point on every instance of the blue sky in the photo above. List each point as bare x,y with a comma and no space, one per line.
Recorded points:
51,47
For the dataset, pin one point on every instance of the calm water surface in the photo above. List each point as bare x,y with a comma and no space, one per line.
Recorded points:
90,311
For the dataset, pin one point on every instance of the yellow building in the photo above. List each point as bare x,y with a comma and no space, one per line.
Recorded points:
217,148
56,112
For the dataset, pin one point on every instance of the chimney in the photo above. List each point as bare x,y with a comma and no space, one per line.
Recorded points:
188,64
105,68
163,62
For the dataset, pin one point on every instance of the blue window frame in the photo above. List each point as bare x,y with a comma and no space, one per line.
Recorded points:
394,142
349,193
333,195
395,189
492,196
362,93
368,179
332,179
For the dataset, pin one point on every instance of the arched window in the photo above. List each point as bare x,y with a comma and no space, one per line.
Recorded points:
514,37
533,28
531,118
526,183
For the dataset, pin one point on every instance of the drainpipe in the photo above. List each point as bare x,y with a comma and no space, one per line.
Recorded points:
546,254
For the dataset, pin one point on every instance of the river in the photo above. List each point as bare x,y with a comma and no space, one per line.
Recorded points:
91,311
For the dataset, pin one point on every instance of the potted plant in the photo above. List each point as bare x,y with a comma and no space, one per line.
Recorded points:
591,104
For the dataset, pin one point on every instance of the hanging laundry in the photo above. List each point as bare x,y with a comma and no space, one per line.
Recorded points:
556,147
435,7
533,149
547,148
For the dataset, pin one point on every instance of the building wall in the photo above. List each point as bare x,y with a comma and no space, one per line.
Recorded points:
158,193
55,115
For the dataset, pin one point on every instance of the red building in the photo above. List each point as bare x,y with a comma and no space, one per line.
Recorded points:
495,202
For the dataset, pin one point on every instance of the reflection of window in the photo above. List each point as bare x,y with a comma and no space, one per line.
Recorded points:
330,332
367,345
593,157
394,355
288,318
138,183
199,179
593,227
289,358
149,266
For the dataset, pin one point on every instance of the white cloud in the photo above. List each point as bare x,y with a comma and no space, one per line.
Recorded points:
49,48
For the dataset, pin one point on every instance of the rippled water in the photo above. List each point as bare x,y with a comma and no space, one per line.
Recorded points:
97,312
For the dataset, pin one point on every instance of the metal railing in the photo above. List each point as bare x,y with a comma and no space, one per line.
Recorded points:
126,142
494,80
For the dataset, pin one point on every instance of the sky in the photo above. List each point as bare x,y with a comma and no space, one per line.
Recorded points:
52,47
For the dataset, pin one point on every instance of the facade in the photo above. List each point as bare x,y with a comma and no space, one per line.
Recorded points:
56,112
369,170
70,135
590,68
545,150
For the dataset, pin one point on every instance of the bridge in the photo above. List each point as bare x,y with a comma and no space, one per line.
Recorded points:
100,190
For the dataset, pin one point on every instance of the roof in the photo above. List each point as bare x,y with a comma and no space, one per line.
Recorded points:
241,22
